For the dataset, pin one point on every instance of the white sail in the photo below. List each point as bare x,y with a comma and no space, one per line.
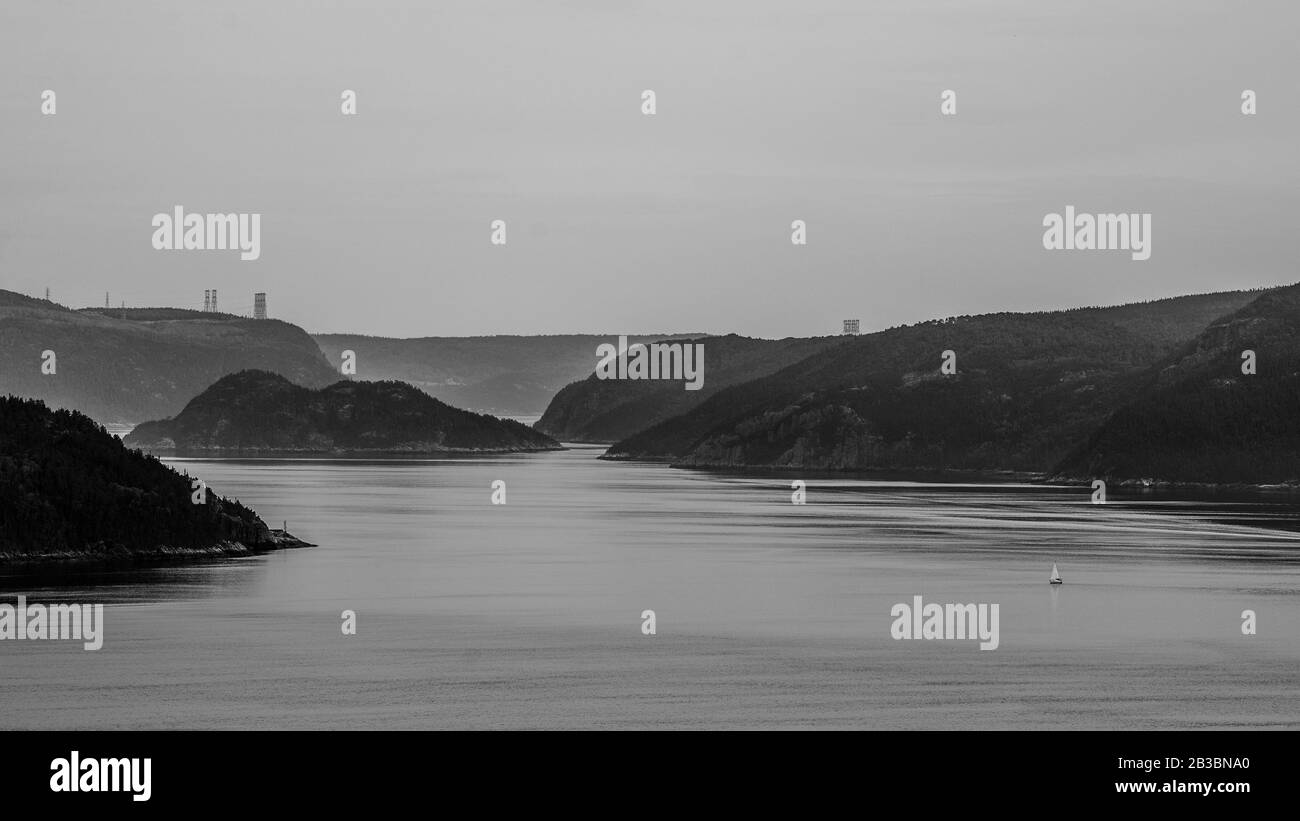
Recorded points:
1056,574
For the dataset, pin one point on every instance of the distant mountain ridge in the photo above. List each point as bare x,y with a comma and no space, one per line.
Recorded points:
503,375
261,412
1028,388
146,365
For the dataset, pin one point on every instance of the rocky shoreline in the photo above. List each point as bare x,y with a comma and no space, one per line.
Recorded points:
118,555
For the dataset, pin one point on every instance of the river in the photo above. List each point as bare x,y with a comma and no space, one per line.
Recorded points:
767,614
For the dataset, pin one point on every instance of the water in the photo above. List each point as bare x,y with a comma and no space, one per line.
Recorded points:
769,615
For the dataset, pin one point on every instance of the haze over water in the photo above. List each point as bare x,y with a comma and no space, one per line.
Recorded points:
769,615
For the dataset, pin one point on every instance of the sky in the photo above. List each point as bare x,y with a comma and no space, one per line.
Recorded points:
618,222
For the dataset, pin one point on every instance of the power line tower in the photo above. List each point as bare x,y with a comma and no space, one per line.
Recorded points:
214,300
106,300
207,301
47,294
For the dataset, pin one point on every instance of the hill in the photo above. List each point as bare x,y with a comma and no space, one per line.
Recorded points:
1027,388
69,490
256,411
1196,418
144,366
502,375
607,410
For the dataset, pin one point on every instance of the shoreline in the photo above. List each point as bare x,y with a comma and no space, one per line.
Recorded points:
1175,484
271,453
939,475
122,556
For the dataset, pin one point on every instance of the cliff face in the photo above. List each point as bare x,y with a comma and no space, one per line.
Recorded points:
68,489
255,411
606,410
145,366
1027,389
1197,418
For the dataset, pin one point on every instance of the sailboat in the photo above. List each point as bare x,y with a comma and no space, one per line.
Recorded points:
1056,575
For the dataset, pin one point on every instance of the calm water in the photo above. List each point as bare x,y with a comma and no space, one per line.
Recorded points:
769,615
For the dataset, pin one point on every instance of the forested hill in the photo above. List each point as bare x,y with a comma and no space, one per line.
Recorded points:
68,489
256,411
1027,388
1197,418
606,410
124,367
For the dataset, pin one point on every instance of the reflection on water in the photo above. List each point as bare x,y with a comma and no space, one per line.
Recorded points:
769,614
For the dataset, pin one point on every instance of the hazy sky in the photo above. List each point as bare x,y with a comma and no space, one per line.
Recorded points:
530,112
